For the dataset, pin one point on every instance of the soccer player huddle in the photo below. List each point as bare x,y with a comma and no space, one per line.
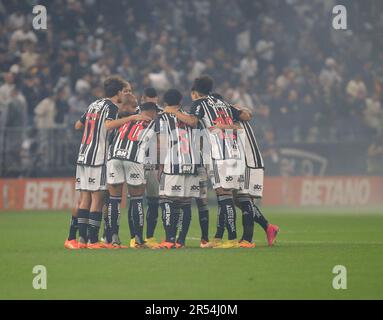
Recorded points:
167,155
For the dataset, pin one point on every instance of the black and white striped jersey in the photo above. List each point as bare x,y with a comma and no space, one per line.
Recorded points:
212,111
131,140
94,143
177,151
252,153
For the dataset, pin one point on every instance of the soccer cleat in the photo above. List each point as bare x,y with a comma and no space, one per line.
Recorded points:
216,242
141,246
109,245
151,243
246,244
271,232
166,245
205,244
96,245
229,244
179,245
81,243
132,243
71,244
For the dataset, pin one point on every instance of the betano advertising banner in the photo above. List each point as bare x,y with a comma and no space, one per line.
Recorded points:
59,194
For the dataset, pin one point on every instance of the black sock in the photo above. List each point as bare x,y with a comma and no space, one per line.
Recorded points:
138,218
178,217
203,215
186,219
151,217
94,225
226,205
107,229
105,212
114,213
73,228
259,218
169,219
220,224
130,221
82,223
247,208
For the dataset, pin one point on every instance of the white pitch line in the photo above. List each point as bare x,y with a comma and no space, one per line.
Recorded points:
313,242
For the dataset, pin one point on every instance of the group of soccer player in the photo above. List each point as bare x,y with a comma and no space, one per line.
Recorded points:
168,155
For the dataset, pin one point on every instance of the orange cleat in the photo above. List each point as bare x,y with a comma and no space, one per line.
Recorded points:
246,244
96,245
71,244
271,232
179,245
166,245
109,246
205,244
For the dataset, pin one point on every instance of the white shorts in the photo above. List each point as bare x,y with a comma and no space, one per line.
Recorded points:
120,171
152,184
252,183
226,174
179,185
203,180
90,178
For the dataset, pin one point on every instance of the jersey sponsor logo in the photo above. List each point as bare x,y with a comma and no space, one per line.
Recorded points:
78,180
134,175
176,188
121,153
229,178
92,180
194,188
258,187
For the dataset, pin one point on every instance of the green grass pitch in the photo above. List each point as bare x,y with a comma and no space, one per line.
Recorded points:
299,266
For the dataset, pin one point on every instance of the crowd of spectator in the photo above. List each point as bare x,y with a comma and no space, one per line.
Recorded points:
305,81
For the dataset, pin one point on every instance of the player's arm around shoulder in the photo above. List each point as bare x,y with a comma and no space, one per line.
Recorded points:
190,119
114,124
81,122
78,125
242,113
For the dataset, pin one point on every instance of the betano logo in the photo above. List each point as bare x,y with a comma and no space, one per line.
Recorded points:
335,191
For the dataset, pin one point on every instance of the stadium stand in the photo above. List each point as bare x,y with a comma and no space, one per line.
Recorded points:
307,83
